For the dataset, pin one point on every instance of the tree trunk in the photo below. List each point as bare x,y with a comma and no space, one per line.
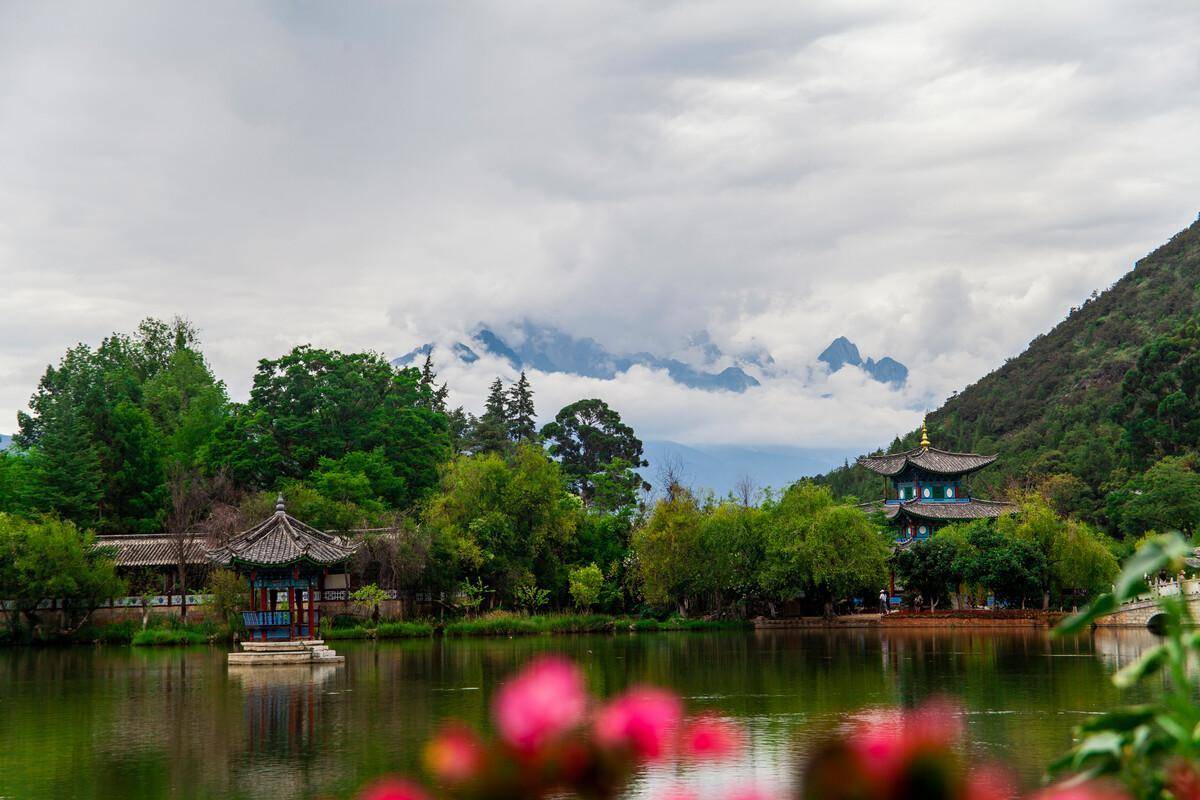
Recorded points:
1046,600
828,609
182,591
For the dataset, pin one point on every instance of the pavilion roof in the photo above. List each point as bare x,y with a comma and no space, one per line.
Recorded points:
930,459
944,510
282,540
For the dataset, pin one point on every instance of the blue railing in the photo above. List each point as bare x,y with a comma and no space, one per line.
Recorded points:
267,619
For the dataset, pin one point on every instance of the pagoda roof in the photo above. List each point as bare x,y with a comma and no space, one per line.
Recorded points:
282,540
930,459
944,510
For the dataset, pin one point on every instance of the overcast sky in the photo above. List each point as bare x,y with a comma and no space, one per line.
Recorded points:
938,182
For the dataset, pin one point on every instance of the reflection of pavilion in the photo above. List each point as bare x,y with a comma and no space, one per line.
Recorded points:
283,705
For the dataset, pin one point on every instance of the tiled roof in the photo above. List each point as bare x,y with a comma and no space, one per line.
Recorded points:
945,510
153,550
282,539
929,459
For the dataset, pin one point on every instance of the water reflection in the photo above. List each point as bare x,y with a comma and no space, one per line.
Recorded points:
116,722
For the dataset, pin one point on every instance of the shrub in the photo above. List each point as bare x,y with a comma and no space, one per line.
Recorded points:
586,585
403,630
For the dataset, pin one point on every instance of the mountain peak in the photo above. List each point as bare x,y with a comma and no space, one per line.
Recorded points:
842,352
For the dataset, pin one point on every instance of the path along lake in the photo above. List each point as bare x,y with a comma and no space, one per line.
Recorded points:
113,722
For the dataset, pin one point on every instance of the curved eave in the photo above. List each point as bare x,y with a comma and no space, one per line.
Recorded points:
951,511
938,462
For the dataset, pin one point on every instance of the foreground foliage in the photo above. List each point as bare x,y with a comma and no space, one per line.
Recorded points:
1153,748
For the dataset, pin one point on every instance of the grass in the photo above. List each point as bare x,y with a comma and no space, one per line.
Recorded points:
403,630
508,624
169,636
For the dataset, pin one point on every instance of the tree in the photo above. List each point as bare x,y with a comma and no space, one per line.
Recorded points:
65,467
668,549
815,544
1165,497
587,437
187,404
490,432
502,521
586,584
433,396
1012,568
48,559
522,419
370,597
191,495
312,404
930,567
230,594
134,491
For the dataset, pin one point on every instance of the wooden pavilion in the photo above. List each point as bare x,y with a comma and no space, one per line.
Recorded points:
283,559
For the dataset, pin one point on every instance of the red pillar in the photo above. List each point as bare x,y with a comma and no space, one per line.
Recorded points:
292,611
312,609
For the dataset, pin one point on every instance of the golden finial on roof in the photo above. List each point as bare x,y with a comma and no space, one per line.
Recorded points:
924,436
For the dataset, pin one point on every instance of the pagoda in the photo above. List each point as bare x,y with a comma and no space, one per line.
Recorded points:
924,490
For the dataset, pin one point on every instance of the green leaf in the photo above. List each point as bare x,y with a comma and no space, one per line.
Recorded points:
1155,555
1177,731
1105,743
1121,719
1104,604
1150,662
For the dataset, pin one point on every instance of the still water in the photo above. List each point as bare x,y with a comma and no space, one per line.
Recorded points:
110,722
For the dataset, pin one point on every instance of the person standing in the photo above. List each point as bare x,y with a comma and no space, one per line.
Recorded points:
883,601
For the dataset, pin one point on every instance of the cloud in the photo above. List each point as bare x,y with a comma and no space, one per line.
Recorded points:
939,182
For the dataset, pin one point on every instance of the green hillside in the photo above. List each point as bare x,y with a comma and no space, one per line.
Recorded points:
1090,405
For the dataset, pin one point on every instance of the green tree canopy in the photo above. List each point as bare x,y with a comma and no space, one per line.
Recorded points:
312,404
502,521
587,437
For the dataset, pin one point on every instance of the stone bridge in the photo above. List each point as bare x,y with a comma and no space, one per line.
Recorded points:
1138,613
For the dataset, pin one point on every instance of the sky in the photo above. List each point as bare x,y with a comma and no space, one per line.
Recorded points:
940,182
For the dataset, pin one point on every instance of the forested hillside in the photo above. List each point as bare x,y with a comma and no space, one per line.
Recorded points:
1090,410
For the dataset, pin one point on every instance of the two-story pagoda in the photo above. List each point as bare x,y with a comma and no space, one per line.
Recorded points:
923,489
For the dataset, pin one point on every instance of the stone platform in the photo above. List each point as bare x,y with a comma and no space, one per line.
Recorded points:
303,651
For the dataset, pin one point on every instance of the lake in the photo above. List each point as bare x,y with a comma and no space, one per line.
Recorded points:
113,722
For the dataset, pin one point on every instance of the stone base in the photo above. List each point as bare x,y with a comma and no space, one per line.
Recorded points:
307,651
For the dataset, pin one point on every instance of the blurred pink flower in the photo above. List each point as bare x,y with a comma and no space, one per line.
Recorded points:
455,755
1082,791
393,789
885,745
544,700
644,720
990,782
1183,780
678,793
709,736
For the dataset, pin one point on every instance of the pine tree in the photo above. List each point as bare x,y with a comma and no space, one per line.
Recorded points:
522,425
432,395
491,429
66,468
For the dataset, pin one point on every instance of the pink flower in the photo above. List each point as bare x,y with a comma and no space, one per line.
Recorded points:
1183,780
886,746
393,789
678,793
643,720
990,782
1084,791
710,736
546,699
455,755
